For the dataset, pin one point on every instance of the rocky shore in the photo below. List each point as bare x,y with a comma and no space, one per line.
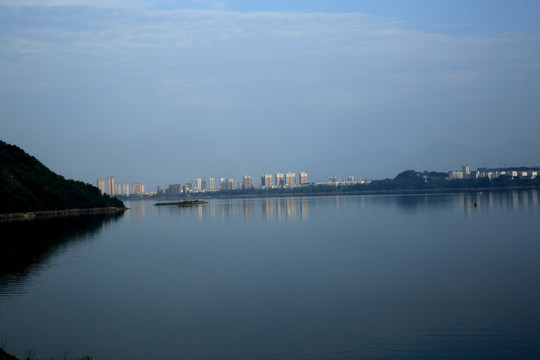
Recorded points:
25,216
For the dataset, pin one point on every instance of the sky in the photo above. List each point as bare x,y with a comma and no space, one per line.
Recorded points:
162,92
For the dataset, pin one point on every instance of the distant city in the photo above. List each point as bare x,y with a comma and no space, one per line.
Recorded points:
466,173
212,184
285,181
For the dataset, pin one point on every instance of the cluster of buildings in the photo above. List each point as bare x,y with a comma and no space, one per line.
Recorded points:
268,181
342,182
284,180
466,173
109,186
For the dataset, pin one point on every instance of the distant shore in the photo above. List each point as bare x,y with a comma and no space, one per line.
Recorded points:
32,215
251,194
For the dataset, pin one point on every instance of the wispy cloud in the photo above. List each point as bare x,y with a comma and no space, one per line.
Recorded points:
217,44
319,73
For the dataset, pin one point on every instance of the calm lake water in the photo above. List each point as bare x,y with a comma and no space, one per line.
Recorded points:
345,277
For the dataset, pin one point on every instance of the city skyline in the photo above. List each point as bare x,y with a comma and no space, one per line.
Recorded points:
111,187
158,91
289,179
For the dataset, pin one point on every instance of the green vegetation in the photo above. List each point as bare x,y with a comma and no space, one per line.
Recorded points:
28,185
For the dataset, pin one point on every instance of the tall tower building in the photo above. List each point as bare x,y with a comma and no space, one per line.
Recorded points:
280,179
101,185
200,184
212,183
246,181
290,179
110,185
466,172
137,188
266,180
303,178
227,184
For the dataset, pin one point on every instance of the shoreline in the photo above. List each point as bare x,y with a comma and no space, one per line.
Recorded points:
47,214
412,191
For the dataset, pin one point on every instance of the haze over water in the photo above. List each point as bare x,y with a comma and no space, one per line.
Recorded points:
349,277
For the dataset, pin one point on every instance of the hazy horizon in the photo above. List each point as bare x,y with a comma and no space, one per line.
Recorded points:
163,92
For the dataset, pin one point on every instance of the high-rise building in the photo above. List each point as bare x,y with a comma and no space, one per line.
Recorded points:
303,178
137,188
125,189
212,183
101,185
174,189
290,179
466,172
266,180
280,179
227,184
200,184
246,181
110,185
121,189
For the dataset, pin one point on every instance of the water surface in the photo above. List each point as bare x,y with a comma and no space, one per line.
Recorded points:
350,277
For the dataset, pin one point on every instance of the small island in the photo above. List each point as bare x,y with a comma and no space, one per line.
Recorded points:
185,203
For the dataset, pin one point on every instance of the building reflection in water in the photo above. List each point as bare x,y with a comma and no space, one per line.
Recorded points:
227,210
201,212
247,209
305,208
212,207
291,209
285,209
136,208
271,209
514,200
281,208
268,209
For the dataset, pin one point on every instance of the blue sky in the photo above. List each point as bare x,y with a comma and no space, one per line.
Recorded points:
162,92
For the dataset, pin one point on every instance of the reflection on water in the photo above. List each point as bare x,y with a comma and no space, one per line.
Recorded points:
467,202
27,246
137,209
279,209
503,200
292,209
288,209
338,277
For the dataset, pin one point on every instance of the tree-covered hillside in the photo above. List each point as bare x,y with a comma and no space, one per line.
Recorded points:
28,185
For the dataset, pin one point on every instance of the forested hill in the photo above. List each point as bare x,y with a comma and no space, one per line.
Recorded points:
28,185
